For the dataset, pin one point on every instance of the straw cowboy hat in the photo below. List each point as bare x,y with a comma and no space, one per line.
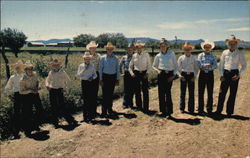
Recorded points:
163,41
232,38
139,43
87,55
211,43
131,45
187,45
19,64
91,44
55,62
28,65
109,45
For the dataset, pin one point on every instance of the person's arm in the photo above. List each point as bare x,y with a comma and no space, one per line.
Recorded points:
221,64
117,69
214,64
243,64
156,64
198,61
23,89
94,75
122,65
179,63
196,68
175,64
149,66
9,86
67,82
81,70
101,68
131,66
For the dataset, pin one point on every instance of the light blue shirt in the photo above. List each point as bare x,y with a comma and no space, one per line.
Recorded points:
86,72
109,65
207,61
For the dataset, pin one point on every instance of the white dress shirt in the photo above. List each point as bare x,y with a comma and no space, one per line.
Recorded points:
231,60
140,62
13,83
187,64
166,62
58,80
95,60
86,72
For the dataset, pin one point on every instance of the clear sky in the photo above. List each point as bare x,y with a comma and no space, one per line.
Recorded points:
42,20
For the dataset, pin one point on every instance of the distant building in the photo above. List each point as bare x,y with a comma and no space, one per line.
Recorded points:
65,44
51,45
35,44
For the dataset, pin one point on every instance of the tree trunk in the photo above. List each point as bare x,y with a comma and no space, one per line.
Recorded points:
66,58
7,67
16,54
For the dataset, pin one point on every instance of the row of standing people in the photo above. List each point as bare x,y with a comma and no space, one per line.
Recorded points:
105,70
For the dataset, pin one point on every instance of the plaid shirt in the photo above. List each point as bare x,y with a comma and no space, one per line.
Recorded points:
207,61
124,64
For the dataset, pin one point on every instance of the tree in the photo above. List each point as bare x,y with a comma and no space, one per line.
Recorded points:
83,39
117,39
103,39
14,40
151,44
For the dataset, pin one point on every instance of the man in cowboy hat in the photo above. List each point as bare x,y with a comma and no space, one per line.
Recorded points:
95,60
57,82
139,68
87,74
109,77
128,79
206,62
29,87
166,66
13,85
187,72
230,74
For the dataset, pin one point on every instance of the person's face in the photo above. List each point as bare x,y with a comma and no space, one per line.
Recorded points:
130,51
87,60
163,48
187,51
207,48
18,69
109,50
139,49
92,50
232,45
56,67
29,71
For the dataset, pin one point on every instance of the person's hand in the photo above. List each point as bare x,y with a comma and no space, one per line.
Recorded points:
158,71
122,75
235,77
222,78
170,79
117,83
11,98
182,78
101,83
133,75
48,88
193,79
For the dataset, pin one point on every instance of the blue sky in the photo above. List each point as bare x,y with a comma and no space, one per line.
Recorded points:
187,20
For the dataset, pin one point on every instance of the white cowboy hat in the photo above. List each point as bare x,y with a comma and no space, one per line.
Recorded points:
232,38
91,44
87,55
207,42
54,62
109,45
139,43
163,41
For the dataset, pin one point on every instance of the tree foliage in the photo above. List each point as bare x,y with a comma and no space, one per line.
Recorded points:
83,39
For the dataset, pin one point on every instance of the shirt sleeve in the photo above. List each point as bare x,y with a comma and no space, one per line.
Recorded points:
179,63
196,68
101,68
243,63
94,72
198,61
122,65
175,64
48,80
149,66
9,86
80,71
156,63
131,66
221,64
67,81
117,69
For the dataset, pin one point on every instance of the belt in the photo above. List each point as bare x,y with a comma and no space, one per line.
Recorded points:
140,71
233,70
207,71
188,73
166,71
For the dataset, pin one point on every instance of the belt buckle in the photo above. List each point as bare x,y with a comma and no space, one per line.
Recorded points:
166,71
206,71
188,73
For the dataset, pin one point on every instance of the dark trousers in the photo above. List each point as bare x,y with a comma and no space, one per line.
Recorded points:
58,107
17,113
88,95
95,88
206,80
107,92
128,90
233,85
164,92
191,85
31,120
141,84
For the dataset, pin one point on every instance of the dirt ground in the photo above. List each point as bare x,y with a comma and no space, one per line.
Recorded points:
137,135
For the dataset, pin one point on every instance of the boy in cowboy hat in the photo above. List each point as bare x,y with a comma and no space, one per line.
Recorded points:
128,79
207,63
187,72
166,66
87,74
56,82
109,77
29,87
230,74
13,85
95,60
